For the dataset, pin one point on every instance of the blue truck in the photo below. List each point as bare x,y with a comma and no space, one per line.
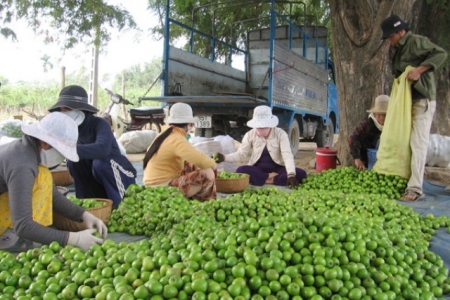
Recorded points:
284,65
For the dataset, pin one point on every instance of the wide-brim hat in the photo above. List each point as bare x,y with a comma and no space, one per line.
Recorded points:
73,97
392,24
59,131
381,105
263,118
180,113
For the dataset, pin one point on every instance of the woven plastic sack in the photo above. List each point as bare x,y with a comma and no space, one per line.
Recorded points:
137,141
438,153
394,154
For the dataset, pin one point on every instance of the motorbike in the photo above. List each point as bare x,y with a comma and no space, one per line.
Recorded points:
144,117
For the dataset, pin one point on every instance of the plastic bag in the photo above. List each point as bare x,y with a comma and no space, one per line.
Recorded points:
438,152
394,154
11,128
228,146
137,141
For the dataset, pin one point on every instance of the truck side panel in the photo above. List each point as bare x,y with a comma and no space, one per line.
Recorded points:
298,83
200,76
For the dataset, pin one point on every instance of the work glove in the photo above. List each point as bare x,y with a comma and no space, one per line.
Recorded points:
84,239
292,182
92,222
218,157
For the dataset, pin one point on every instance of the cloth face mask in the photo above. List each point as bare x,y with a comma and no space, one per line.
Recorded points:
51,158
76,115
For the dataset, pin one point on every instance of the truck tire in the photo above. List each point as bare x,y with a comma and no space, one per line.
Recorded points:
294,136
325,137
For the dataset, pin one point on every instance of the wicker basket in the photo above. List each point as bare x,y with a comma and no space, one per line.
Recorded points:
102,212
232,185
61,176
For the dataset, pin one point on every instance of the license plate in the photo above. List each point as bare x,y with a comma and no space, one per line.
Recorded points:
203,122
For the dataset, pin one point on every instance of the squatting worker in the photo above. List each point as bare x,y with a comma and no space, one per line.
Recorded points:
367,133
102,171
171,160
28,196
416,51
268,152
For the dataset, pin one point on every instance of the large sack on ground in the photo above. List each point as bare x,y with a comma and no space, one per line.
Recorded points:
438,153
137,141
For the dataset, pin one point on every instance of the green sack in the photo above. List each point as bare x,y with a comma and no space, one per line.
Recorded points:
394,153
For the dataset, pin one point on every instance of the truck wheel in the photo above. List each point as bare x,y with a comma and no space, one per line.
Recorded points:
294,136
325,137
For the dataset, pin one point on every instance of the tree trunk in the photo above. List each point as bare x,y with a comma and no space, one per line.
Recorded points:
363,60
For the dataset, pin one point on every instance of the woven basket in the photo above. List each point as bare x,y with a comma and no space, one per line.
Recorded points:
232,185
62,177
102,212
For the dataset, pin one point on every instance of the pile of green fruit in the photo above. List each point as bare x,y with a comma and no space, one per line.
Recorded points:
11,129
352,180
230,175
87,203
259,244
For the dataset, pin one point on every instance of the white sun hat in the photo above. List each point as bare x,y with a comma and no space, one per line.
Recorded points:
263,118
59,131
180,113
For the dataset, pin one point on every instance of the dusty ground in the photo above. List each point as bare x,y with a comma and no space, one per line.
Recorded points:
306,156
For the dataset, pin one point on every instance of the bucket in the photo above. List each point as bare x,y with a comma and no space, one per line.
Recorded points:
371,157
326,158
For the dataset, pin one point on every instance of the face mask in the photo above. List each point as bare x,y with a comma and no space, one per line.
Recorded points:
262,132
76,115
51,158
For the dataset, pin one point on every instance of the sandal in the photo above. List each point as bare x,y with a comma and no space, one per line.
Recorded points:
410,196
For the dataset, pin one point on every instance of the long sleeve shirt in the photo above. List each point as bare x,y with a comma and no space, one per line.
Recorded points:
253,145
416,50
19,162
364,137
168,162
96,141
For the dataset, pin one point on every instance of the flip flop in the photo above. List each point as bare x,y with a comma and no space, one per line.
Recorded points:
412,194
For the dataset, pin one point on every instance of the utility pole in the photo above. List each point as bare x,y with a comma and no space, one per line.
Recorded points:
93,77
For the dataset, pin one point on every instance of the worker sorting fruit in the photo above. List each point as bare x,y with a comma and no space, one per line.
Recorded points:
28,196
367,133
171,160
268,151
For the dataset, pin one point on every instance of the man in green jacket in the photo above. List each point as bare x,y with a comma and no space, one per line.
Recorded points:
417,51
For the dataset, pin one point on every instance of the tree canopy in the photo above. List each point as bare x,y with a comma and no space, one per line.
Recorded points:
230,20
68,22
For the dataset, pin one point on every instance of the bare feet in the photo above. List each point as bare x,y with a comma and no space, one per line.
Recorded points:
271,177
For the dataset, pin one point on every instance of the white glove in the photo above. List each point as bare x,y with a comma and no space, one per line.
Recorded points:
92,222
84,239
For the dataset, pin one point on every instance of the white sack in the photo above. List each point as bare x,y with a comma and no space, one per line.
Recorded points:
438,153
228,146
137,141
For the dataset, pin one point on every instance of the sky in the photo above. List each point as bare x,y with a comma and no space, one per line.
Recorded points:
21,60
